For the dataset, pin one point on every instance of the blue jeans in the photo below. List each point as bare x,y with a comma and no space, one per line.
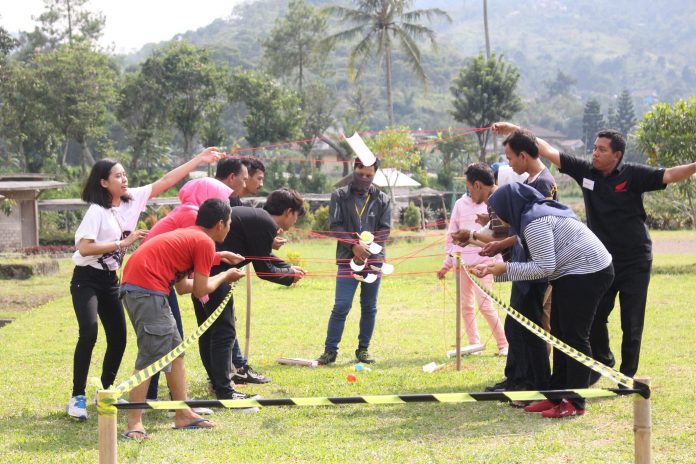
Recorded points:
345,291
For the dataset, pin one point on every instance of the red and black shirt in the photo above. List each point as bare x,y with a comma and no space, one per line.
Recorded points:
614,205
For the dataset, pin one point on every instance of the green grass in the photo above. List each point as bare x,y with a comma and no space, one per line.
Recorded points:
415,326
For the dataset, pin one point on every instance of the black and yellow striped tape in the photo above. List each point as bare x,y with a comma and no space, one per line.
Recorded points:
582,358
152,369
386,399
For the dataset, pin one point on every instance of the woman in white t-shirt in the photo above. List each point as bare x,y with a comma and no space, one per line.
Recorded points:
106,231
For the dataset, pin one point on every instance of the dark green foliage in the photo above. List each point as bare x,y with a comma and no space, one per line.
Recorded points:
592,122
485,91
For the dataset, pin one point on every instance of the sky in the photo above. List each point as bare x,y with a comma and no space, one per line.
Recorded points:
130,24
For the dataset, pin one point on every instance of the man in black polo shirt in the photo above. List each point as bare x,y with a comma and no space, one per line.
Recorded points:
613,194
233,173
252,230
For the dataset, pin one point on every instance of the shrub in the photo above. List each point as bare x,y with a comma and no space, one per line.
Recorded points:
411,216
321,218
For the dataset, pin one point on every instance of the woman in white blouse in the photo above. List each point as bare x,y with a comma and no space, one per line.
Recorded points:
106,231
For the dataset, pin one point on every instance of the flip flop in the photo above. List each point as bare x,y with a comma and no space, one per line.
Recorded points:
195,425
128,435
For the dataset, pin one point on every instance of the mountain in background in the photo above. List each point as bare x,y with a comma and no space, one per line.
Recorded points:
645,46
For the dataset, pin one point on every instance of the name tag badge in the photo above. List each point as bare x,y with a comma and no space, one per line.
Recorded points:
587,183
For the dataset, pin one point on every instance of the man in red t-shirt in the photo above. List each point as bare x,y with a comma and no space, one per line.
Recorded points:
165,259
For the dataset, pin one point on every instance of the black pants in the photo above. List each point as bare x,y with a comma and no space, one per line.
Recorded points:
95,293
574,302
631,284
527,365
215,345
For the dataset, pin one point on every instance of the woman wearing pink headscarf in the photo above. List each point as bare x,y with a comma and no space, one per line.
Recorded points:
191,195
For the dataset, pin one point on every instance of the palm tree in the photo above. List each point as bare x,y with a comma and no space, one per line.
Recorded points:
379,26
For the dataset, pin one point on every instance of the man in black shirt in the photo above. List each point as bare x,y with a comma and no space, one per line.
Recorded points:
233,173
527,365
252,232
613,194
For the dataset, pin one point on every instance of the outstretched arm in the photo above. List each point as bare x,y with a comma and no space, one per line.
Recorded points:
209,155
545,149
679,173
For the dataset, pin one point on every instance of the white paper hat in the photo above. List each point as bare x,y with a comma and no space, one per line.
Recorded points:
367,158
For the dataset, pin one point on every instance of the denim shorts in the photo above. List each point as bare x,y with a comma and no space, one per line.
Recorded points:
155,327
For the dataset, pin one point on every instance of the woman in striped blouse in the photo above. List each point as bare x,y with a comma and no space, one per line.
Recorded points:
562,249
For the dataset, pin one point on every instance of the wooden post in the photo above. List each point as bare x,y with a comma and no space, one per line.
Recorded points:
642,426
458,306
107,424
248,311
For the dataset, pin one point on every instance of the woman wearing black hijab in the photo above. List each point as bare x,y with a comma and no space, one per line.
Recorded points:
562,249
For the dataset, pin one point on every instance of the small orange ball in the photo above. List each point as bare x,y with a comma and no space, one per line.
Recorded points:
351,378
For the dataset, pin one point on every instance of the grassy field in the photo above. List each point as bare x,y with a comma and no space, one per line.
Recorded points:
415,326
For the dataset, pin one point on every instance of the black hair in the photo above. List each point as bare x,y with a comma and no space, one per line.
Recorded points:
213,211
359,164
522,140
280,200
616,139
253,165
227,166
93,191
480,172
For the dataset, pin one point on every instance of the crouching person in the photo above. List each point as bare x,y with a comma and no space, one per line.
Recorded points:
166,258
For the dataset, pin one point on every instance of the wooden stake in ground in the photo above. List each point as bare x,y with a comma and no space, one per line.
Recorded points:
107,424
248,311
458,306
642,426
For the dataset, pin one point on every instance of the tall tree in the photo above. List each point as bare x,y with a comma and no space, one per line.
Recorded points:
625,116
562,84
318,105
380,26
7,43
69,20
25,120
190,81
485,91
397,150
592,122
273,112
80,83
143,114
667,134
295,43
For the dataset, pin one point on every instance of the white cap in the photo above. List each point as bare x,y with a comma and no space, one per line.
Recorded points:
365,155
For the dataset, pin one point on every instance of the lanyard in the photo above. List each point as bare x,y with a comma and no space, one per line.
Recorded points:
360,213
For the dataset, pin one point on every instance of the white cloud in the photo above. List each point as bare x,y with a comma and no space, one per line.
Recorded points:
130,24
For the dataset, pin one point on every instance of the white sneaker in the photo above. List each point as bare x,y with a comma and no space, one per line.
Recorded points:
77,407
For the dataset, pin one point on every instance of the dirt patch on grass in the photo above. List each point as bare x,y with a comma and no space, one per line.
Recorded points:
683,245
16,303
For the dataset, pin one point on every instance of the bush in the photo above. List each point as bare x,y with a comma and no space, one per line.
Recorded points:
306,221
410,216
667,210
321,219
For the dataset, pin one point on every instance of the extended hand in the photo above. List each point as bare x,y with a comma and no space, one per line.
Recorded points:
503,128
441,273
461,237
483,219
279,241
133,237
233,275
492,249
298,273
209,155
231,258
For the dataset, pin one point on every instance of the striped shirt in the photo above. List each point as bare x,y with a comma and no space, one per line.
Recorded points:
558,246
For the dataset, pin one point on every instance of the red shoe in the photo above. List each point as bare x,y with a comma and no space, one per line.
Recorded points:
540,406
564,409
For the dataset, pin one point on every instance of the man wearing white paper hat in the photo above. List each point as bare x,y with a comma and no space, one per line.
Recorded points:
356,209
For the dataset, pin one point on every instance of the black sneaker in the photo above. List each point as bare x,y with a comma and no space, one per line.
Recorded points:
246,374
363,356
328,357
498,387
237,395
